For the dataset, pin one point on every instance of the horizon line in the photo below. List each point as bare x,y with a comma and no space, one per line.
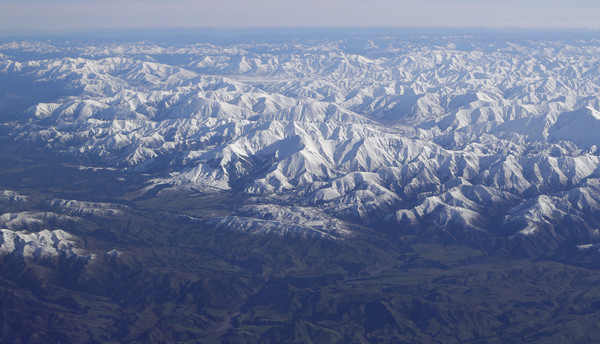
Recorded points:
313,29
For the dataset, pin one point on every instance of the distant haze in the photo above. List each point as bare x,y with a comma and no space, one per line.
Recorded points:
96,14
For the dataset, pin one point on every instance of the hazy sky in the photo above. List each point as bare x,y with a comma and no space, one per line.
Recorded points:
93,14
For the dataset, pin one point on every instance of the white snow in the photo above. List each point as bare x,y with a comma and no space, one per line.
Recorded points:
405,130
42,244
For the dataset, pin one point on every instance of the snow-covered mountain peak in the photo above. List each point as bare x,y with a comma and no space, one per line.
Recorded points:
442,133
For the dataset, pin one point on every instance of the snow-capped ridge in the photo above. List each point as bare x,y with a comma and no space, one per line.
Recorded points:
41,245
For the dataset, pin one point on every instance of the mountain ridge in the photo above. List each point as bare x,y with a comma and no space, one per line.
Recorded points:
411,133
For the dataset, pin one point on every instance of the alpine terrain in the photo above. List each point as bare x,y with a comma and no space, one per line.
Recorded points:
358,187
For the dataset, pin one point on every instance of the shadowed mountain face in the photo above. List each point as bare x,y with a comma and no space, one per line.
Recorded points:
390,190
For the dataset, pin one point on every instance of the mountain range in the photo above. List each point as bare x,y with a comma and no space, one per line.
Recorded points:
466,141
364,189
